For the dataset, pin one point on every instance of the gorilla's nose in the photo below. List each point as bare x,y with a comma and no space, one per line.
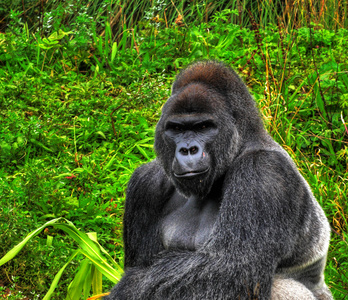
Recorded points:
186,151
189,155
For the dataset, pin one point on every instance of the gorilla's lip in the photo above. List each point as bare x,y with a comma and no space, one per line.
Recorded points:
191,174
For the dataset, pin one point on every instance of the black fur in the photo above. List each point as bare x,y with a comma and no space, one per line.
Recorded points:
222,213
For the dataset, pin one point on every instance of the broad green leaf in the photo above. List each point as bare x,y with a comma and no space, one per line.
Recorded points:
14,251
97,281
76,286
103,267
114,51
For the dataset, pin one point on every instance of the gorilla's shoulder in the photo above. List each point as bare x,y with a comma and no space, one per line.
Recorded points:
150,179
265,163
151,171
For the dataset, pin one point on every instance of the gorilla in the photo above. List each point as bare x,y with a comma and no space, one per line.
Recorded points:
222,212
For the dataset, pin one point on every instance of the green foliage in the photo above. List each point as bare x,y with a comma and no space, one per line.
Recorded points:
61,156
90,268
53,15
80,94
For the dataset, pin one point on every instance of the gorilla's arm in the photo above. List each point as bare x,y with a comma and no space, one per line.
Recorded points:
147,193
264,208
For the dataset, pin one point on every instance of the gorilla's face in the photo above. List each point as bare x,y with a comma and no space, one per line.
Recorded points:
188,139
191,137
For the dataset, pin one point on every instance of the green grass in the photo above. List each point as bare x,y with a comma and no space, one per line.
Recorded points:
78,109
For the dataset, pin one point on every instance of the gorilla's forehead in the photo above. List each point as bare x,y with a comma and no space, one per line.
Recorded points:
191,118
195,98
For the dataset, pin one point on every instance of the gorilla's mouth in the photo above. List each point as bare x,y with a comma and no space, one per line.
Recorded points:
191,174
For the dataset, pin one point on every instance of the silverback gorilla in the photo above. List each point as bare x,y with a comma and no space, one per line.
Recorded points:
222,212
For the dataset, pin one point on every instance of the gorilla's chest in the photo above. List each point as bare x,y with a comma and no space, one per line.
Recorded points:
189,222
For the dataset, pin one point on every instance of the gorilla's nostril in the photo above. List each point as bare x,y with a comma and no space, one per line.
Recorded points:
193,150
183,151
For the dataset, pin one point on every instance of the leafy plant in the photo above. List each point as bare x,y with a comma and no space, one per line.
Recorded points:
97,261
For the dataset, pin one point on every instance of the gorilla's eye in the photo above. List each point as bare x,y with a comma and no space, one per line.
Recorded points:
176,127
204,125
